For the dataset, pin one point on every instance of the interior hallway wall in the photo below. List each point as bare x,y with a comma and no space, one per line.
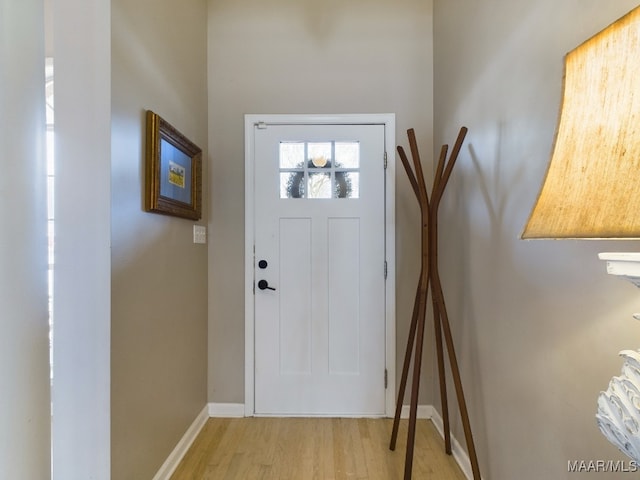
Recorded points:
277,56
159,276
538,323
81,409
24,345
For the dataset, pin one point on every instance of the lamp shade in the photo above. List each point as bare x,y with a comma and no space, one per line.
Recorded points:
592,185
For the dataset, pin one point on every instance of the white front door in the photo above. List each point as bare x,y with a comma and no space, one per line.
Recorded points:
319,269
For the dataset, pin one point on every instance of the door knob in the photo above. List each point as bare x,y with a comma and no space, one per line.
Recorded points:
264,285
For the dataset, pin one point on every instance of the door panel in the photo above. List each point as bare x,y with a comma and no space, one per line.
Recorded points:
295,287
319,224
344,295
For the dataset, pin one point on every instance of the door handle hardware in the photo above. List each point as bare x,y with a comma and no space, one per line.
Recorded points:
264,285
263,264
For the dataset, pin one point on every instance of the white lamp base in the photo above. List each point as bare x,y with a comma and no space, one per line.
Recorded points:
618,414
623,264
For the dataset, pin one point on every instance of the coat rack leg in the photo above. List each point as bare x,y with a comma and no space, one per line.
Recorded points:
405,369
441,377
415,387
455,371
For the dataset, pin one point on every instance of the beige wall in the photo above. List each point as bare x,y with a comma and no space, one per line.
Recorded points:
538,323
276,56
24,351
159,276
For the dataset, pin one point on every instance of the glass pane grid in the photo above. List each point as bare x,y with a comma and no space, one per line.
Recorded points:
308,169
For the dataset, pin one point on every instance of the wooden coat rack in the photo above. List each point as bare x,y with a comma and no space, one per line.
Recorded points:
429,277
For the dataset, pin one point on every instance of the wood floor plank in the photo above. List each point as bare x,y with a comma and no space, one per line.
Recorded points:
312,449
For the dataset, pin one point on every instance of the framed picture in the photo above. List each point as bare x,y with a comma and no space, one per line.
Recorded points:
173,171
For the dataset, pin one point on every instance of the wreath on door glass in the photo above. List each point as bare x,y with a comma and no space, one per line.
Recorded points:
296,187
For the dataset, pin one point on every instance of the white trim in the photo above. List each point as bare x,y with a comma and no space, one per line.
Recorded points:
174,458
386,119
425,412
390,252
318,415
249,217
227,410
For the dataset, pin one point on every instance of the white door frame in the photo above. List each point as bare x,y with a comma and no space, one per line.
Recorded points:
388,120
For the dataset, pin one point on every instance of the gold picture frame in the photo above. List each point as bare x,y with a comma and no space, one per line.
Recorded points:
173,171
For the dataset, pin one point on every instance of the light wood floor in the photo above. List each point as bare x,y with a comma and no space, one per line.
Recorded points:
314,449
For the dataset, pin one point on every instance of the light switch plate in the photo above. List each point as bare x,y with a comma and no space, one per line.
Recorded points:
199,234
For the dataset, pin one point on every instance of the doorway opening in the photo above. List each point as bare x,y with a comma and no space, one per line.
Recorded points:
320,248
50,157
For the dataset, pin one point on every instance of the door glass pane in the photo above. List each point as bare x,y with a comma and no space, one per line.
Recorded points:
319,185
347,154
319,155
292,184
291,154
347,185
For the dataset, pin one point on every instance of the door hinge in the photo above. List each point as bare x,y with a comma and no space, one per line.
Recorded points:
385,269
385,160
386,378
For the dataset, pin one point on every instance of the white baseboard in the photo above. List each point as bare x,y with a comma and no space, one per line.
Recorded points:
174,458
232,410
424,412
